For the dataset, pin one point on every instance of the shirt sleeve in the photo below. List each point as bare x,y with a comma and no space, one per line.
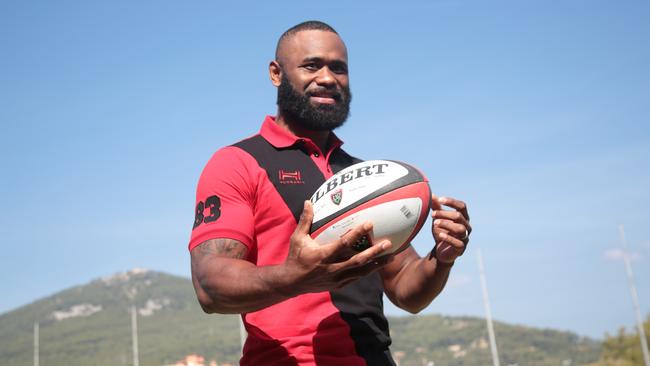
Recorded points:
225,199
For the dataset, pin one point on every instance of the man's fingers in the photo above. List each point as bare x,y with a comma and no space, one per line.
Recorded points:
306,217
455,229
454,216
460,216
452,240
351,239
458,205
369,255
451,228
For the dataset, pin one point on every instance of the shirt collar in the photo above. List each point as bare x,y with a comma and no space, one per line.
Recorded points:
281,138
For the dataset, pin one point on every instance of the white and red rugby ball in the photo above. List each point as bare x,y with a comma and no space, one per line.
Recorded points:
394,196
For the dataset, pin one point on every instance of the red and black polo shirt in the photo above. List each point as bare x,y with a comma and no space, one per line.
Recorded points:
253,192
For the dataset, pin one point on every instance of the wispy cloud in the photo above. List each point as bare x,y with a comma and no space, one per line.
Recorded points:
619,254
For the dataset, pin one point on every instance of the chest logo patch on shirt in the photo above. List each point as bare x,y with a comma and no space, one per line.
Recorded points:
290,177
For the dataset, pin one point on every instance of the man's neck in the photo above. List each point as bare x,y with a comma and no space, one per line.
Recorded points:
320,138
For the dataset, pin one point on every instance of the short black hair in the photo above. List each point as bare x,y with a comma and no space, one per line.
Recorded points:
308,25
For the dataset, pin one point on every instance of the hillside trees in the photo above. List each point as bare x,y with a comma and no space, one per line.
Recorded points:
624,349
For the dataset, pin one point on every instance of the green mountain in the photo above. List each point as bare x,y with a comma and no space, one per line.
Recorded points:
91,325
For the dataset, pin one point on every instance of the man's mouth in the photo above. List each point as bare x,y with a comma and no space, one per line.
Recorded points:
324,97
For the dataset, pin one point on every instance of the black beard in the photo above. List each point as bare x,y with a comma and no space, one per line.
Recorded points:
299,109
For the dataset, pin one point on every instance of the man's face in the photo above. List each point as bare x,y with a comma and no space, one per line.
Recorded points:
314,90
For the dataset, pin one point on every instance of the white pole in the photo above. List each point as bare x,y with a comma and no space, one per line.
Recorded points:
36,345
635,299
488,311
134,335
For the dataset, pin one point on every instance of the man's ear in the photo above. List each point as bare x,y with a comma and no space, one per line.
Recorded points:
275,73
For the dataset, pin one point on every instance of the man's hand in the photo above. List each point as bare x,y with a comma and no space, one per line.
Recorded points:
450,228
312,267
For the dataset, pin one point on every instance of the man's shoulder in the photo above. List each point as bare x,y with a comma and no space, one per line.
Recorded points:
251,143
236,149
235,156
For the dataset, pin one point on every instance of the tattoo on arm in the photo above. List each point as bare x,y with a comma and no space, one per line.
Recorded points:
221,247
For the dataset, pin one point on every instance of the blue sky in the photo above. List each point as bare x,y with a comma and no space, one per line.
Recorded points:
534,112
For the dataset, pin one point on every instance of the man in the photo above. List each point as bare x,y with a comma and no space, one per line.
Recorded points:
303,303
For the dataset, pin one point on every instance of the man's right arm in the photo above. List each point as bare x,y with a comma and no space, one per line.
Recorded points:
226,283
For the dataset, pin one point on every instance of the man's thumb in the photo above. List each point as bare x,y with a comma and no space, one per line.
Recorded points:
306,217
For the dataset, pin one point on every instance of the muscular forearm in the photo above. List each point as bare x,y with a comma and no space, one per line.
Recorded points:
232,286
229,285
226,283
419,282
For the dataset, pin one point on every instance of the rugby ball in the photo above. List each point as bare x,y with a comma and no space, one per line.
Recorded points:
394,196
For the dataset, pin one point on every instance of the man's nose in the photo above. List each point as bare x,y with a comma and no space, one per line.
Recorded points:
325,77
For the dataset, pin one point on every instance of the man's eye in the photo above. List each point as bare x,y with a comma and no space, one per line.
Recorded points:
311,67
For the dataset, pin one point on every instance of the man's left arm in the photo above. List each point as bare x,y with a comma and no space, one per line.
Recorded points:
411,282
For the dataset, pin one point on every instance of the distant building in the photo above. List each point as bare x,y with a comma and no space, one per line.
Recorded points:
190,360
196,360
